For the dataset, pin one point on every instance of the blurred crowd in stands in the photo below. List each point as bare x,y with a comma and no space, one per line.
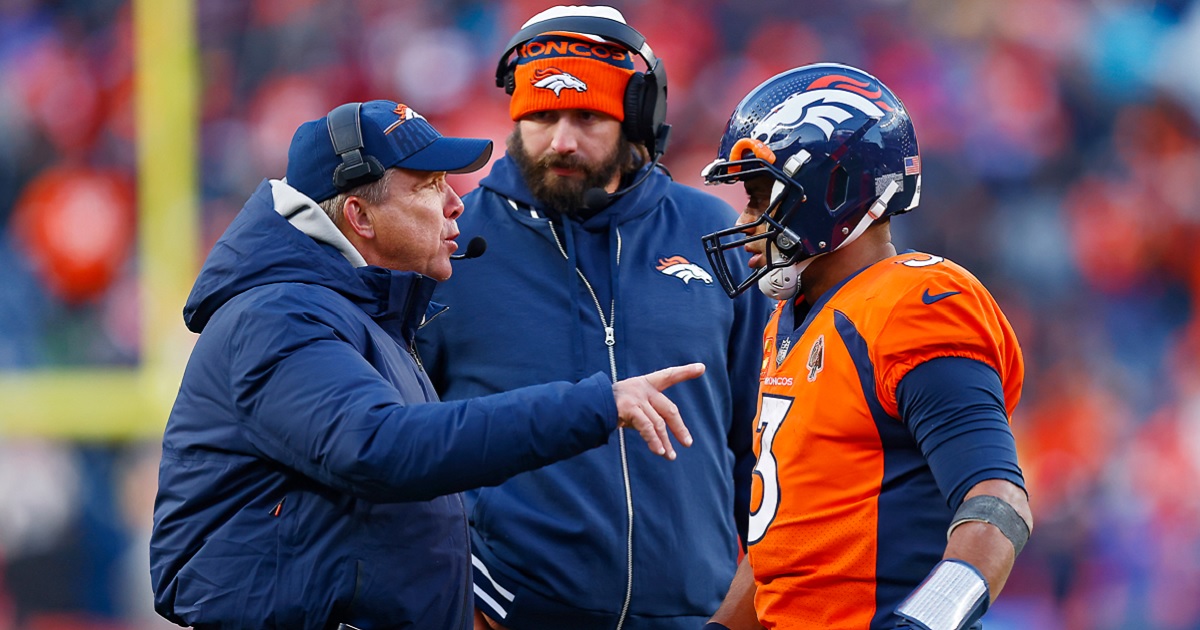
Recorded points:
1061,150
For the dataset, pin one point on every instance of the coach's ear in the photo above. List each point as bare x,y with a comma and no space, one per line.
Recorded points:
358,218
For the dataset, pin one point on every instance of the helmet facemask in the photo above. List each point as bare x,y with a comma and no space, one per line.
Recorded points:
782,248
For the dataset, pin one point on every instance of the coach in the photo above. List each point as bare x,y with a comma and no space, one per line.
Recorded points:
302,484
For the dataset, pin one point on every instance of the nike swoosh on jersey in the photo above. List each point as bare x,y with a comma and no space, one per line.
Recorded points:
930,299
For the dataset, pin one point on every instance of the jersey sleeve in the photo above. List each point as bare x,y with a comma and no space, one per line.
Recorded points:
954,409
945,313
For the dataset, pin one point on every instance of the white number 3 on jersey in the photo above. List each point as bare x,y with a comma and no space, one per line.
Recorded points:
774,411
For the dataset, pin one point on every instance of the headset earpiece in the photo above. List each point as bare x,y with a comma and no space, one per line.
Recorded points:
645,109
510,80
635,119
345,132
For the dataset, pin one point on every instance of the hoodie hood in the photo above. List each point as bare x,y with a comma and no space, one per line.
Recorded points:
281,235
505,179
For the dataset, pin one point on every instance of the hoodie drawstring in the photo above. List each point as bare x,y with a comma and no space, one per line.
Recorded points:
573,278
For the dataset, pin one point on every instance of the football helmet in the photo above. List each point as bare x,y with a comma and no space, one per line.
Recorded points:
843,154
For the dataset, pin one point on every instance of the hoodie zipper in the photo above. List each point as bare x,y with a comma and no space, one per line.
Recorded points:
610,340
412,341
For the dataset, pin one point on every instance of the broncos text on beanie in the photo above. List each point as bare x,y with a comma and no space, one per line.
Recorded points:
570,71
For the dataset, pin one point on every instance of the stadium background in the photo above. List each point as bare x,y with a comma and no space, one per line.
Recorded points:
1061,146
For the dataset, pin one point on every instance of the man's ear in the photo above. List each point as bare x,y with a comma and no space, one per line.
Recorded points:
358,217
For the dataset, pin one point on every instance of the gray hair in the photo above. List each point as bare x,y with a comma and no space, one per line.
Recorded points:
375,193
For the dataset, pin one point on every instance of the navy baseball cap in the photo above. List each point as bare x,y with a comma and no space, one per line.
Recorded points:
392,133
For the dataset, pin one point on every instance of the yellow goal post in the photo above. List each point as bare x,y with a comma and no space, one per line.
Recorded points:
107,403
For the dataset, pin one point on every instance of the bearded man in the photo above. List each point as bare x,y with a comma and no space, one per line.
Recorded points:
595,263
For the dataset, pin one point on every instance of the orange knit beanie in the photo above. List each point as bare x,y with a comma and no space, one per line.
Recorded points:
569,71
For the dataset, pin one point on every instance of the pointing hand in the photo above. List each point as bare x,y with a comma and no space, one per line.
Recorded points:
642,406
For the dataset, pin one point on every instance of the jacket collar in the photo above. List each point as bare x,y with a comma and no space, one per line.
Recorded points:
401,298
261,247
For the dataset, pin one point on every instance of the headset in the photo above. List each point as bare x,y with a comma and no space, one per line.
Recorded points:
646,93
357,167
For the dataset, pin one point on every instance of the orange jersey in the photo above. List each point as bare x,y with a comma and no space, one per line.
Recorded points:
846,518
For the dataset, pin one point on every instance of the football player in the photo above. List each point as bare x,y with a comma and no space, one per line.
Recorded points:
887,491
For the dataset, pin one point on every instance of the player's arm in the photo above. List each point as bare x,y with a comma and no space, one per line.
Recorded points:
955,409
980,539
737,611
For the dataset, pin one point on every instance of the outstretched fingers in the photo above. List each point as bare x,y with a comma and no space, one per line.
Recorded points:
646,421
672,419
669,412
667,377
642,406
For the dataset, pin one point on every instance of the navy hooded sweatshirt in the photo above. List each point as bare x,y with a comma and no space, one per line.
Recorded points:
615,537
308,476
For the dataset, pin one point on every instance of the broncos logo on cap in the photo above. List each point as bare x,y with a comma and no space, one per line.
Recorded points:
557,80
405,113
827,103
682,268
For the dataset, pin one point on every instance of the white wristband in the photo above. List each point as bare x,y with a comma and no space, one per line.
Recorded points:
952,597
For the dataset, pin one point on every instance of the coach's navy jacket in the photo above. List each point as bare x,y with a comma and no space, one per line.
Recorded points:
568,545
303,482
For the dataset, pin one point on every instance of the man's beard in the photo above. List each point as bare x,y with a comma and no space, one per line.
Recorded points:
565,194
